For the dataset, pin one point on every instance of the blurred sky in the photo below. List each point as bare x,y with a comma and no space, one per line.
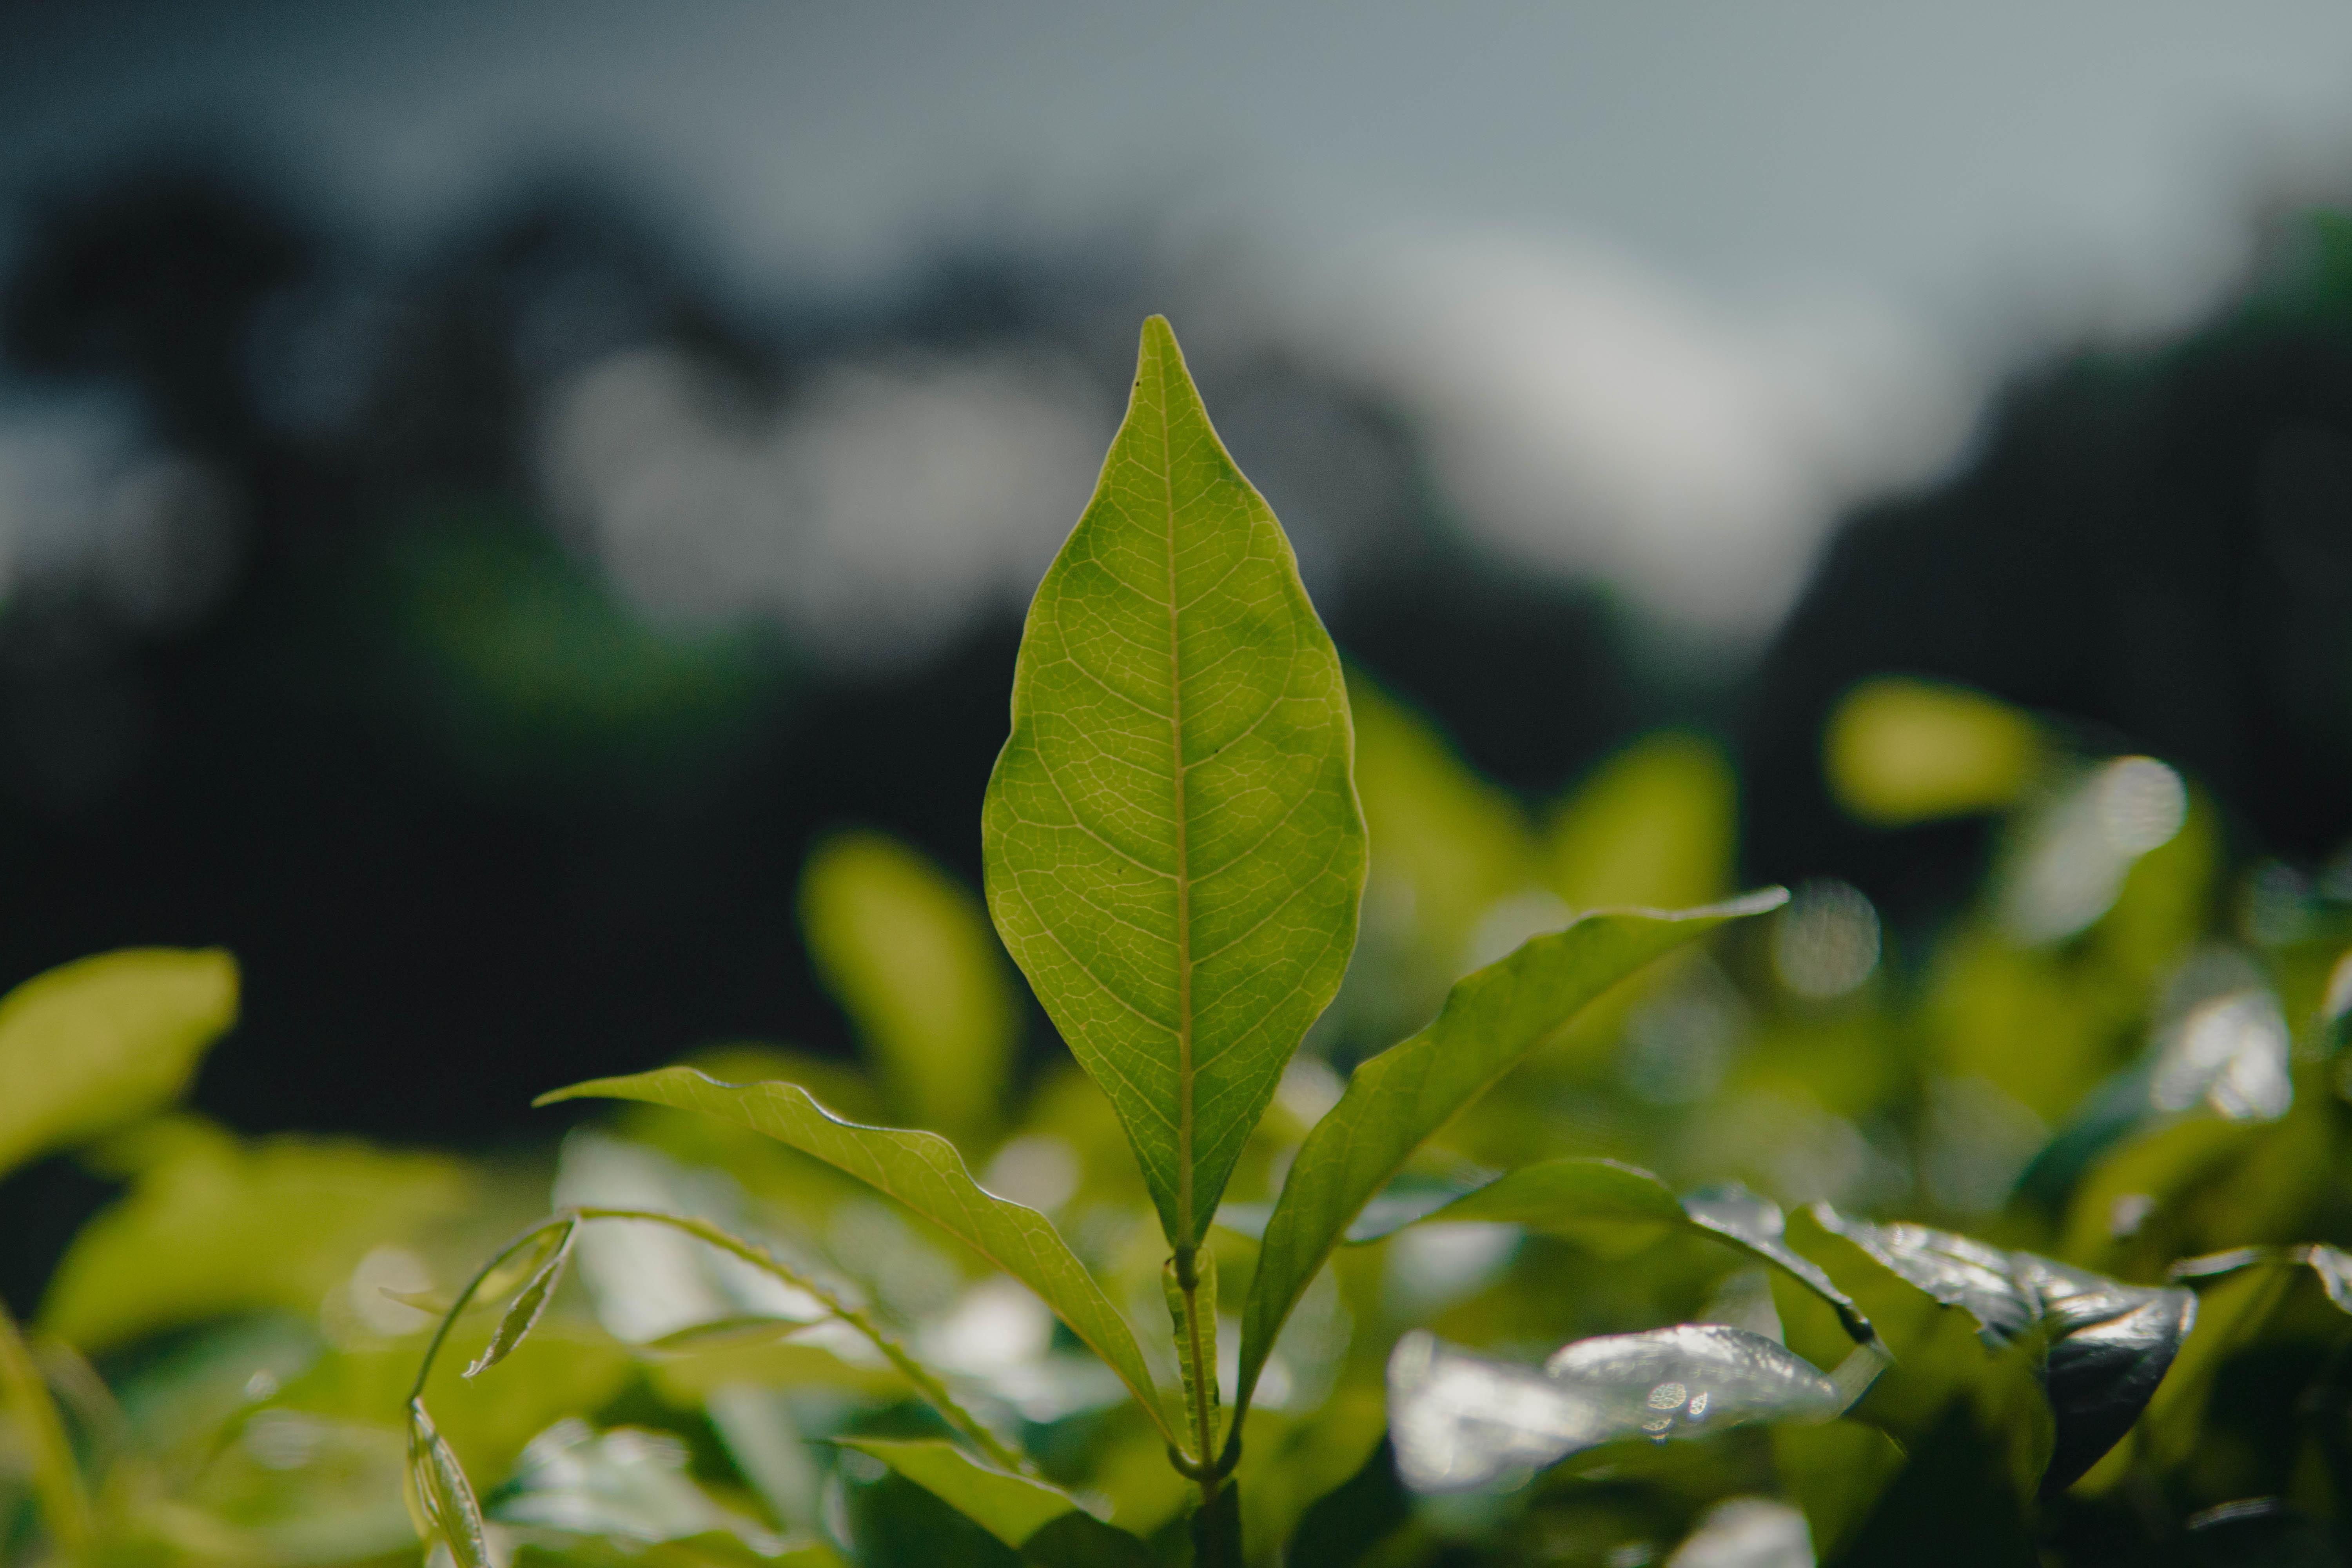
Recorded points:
1668,284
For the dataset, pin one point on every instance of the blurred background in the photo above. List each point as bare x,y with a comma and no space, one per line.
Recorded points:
484,490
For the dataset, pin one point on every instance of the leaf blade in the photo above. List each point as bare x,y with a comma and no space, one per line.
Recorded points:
1398,1099
529,1304
101,1041
1041,1522
1175,855
924,1172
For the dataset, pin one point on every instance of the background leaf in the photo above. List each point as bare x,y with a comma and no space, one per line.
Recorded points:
1175,856
1041,1522
923,1171
102,1041
911,958
1399,1097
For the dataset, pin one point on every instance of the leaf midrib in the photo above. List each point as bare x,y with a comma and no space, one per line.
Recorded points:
1184,1224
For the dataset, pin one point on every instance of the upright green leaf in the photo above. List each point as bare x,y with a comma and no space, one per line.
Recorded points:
102,1041
1398,1099
1043,1523
923,1171
910,956
1174,851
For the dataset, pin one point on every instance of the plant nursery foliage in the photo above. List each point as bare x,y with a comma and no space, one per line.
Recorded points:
1571,1265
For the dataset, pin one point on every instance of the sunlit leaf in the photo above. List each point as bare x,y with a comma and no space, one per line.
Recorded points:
444,1495
102,1041
1041,1522
912,959
1653,826
1462,1422
923,1171
1174,851
1398,1099
1900,750
522,1314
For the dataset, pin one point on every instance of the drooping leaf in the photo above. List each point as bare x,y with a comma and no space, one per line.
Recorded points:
923,1171
1615,1206
1174,852
910,956
102,1041
1462,1422
1041,1522
1399,1098
522,1314
2106,1345
444,1495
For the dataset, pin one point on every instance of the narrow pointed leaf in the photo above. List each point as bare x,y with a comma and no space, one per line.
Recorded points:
923,1171
522,1314
1041,1522
1174,852
452,1515
1610,1203
1397,1100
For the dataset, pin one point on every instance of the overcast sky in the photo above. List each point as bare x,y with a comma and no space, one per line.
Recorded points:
1795,238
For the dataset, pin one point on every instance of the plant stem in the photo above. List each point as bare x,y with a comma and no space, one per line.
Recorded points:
56,1479
1204,1382
925,1382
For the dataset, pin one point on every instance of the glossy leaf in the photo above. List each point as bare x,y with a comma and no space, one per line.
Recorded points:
1463,1422
1041,1522
1174,851
444,1495
626,1482
102,1041
522,1314
1397,1100
2106,1345
911,958
923,1171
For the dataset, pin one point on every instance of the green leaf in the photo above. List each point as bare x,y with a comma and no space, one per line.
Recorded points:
923,1171
1194,1323
1041,1522
529,1304
1398,1099
443,1493
1616,1208
102,1041
910,956
1174,851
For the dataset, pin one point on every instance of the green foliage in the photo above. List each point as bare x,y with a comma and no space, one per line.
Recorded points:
910,956
101,1042
1544,1242
1175,849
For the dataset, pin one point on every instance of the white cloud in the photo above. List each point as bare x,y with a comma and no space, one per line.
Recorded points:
877,512
1588,419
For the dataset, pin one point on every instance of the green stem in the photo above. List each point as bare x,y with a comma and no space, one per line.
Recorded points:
56,1479
928,1386
1203,1380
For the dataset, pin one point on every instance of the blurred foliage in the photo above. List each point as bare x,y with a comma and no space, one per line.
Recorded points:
2162,1082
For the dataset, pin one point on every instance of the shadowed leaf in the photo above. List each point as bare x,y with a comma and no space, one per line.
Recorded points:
1041,1522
